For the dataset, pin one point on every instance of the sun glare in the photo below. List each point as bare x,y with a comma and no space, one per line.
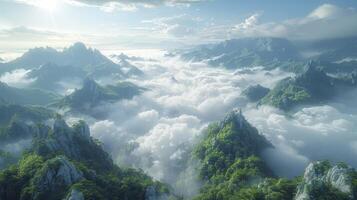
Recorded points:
47,5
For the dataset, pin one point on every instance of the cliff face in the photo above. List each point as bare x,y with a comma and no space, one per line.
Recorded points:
66,163
323,180
232,168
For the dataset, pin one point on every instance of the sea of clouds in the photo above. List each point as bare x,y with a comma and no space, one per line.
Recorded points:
156,130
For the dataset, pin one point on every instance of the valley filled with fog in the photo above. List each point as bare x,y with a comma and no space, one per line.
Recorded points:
156,130
178,100
183,97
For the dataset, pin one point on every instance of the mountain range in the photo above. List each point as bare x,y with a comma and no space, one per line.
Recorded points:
335,55
49,66
313,86
26,96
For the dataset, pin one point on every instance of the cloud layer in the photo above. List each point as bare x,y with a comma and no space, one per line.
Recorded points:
326,21
17,78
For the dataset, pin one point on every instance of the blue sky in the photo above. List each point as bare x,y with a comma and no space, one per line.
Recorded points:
110,24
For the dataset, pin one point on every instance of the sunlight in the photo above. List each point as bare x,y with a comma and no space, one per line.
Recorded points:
47,5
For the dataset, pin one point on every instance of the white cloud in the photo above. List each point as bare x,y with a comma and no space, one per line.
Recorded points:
154,131
249,22
129,5
164,121
326,11
312,133
17,78
326,21
179,26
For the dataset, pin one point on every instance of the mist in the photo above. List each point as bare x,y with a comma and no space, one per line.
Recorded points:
156,130
17,78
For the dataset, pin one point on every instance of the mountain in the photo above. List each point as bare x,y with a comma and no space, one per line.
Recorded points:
76,56
322,180
231,168
66,163
230,157
313,86
49,76
32,114
334,50
245,52
255,92
337,55
24,96
92,94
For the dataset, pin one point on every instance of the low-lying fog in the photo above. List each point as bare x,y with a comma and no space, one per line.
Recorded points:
155,130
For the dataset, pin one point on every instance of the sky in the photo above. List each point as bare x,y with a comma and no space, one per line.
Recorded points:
167,24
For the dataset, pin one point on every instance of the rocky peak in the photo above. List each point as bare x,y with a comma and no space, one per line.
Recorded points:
75,195
90,85
339,177
77,47
60,125
319,175
236,117
82,129
57,172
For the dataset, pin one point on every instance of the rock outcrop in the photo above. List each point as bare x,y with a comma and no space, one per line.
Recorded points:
320,176
75,195
56,173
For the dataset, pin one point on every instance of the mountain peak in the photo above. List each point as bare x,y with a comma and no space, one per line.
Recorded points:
78,46
90,84
312,67
235,116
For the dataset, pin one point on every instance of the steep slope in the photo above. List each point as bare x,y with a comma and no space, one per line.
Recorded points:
322,180
26,96
66,163
246,52
230,157
49,76
313,86
25,113
232,168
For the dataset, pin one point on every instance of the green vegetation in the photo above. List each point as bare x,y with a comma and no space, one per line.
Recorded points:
231,165
256,92
286,95
92,94
26,96
231,168
6,159
63,159
247,52
313,86
24,113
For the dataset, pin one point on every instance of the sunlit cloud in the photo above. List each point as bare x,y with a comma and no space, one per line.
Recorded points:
326,21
